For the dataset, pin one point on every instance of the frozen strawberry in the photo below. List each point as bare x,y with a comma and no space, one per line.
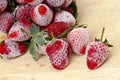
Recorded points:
58,53
3,5
23,11
16,33
42,15
78,38
97,52
11,49
55,3
66,17
67,3
57,28
36,2
32,2
6,20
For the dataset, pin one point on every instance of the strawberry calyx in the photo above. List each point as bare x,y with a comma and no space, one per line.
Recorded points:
37,39
106,42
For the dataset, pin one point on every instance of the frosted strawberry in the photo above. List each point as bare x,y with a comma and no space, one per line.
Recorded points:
66,17
58,53
11,49
6,20
55,3
23,11
97,53
36,2
57,28
78,38
32,2
3,5
42,15
67,3
16,33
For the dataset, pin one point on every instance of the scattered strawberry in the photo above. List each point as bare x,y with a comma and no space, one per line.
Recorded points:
78,38
42,15
6,20
58,53
57,28
16,33
23,11
66,17
67,3
97,52
55,3
11,49
3,5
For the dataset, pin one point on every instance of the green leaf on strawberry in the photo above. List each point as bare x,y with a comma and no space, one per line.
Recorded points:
34,52
34,29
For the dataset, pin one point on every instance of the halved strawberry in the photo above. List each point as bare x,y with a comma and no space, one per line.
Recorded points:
58,53
57,28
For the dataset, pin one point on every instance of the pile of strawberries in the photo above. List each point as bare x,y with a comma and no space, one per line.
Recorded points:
47,27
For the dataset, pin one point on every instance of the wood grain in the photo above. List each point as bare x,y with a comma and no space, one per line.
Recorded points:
96,14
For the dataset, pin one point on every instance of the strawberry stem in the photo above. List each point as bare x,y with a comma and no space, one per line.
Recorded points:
102,34
1,57
26,32
53,38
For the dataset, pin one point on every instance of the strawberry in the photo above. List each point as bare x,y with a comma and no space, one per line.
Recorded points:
65,16
78,38
3,5
36,2
58,53
16,33
97,53
6,20
55,3
42,15
23,11
67,3
11,49
57,28
32,2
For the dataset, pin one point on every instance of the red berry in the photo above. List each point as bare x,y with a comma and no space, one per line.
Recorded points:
97,53
58,53
57,28
42,10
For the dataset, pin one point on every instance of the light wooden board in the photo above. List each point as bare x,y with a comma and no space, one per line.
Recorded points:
96,14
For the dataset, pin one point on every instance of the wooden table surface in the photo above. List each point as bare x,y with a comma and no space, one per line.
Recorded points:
96,14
